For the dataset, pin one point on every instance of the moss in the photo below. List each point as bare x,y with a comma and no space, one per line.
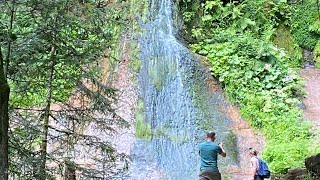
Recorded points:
137,8
159,71
143,129
157,74
231,145
284,39
135,63
199,99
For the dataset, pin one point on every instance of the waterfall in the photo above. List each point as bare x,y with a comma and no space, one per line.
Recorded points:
177,103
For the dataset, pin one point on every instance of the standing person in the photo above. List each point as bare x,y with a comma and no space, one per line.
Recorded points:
208,152
254,165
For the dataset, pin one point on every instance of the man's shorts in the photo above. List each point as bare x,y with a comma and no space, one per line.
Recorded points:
210,175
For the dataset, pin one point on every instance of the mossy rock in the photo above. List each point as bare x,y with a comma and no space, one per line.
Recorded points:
316,52
283,39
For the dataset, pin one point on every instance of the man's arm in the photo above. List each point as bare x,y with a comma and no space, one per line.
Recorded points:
223,153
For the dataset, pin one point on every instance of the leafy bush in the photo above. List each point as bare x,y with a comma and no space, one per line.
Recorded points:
283,155
303,21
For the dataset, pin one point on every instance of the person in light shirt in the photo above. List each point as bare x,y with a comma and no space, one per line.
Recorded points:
254,165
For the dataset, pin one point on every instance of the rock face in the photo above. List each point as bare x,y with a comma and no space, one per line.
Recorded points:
313,164
296,174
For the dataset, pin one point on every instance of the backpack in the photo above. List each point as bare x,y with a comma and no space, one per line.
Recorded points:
263,169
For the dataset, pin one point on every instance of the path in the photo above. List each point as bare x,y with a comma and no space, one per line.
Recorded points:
246,138
311,102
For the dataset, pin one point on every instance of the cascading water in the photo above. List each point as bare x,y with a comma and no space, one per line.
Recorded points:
177,104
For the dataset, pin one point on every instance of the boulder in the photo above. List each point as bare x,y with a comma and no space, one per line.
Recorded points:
313,164
296,174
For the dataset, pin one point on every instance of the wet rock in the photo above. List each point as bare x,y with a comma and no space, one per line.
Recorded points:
308,58
313,164
292,1
296,174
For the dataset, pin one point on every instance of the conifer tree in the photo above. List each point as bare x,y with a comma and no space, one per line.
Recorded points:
57,96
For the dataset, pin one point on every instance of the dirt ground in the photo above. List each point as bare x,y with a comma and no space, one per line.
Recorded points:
311,102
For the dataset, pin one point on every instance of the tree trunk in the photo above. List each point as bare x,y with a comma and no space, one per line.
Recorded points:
4,104
4,121
12,12
46,117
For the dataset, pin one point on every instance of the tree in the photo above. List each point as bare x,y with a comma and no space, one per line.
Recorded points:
56,57
4,95
4,120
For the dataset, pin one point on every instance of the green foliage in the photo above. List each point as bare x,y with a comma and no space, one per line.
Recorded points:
70,37
316,52
141,8
237,40
317,65
255,76
159,71
190,13
78,41
283,156
304,24
138,7
315,27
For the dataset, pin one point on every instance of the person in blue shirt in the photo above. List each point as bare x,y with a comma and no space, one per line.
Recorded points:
208,152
